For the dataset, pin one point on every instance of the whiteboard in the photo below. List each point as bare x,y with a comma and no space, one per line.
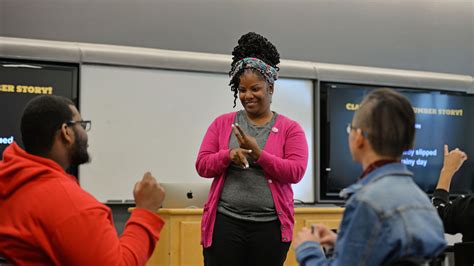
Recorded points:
154,120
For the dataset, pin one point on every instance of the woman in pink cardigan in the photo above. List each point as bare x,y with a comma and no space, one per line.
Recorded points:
253,155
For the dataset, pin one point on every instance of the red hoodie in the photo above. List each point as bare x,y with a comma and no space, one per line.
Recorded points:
46,218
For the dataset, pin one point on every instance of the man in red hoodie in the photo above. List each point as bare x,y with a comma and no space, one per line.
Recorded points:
46,218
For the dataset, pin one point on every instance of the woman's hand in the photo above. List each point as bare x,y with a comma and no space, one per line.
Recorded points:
246,141
239,157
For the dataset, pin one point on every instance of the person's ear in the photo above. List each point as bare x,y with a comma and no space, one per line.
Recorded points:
359,138
66,133
270,89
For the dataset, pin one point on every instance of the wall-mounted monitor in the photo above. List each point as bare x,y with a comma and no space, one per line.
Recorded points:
442,117
20,81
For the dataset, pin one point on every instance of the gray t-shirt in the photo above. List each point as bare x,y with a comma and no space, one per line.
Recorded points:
246,194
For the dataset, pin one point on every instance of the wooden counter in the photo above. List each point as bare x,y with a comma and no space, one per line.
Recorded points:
180,238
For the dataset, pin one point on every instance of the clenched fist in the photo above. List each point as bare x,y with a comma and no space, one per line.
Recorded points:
148,193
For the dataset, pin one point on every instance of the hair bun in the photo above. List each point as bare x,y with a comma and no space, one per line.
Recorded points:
255,45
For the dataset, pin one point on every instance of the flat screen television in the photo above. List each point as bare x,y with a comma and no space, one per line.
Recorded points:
442,117
20,81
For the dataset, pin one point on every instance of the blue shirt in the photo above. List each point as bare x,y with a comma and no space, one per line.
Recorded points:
387,217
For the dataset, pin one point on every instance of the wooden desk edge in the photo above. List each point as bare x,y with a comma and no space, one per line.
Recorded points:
305,210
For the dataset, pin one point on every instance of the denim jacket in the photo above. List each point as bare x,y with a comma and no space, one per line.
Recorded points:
387,217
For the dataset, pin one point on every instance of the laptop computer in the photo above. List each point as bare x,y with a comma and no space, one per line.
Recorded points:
185,194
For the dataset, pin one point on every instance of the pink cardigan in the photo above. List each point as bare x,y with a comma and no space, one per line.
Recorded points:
284,160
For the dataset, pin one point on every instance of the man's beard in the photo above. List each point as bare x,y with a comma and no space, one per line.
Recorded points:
79,154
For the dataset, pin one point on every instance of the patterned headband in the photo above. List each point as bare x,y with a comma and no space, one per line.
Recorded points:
269,72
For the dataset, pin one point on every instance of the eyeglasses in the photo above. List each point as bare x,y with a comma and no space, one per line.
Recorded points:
85,124
350,127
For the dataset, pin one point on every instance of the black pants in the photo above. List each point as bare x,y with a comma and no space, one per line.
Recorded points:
243,243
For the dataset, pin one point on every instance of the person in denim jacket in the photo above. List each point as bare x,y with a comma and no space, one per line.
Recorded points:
387,217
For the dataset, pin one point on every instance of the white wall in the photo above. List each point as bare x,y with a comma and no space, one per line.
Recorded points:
154,120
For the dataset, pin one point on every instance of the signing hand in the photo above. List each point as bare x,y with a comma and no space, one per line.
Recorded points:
246,141
303,236
453,159
319,233
239,157
327,237
452,162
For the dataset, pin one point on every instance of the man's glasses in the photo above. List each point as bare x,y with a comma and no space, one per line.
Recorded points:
85,124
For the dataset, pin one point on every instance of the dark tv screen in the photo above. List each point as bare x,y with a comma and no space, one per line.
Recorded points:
20,81
441,118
